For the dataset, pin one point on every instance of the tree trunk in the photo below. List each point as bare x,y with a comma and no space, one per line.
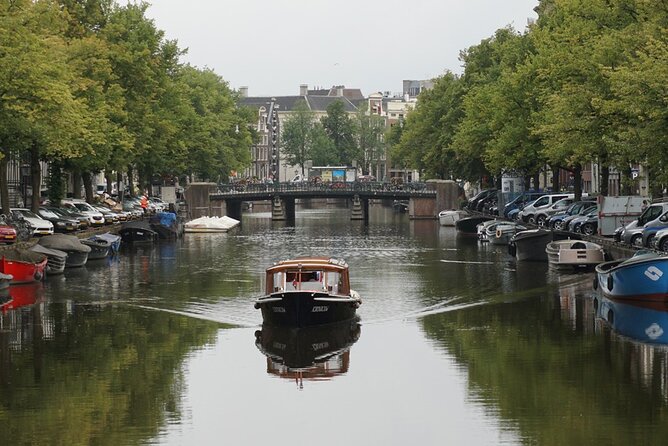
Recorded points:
536,181
4,190
626,180
35,178
110,186
131,187
577,178
555,179
605,180
88,186
76,181
119,187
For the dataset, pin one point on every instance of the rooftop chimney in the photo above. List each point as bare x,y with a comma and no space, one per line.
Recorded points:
303,90
243,92
339,91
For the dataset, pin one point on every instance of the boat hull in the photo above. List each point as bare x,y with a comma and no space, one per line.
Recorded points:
449,218
138,235
571,254
469,225
24,272
306,308
531,246
641,280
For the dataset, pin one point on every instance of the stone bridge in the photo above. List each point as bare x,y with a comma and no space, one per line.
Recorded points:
425,200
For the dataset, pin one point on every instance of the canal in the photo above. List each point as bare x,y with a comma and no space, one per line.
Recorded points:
456,344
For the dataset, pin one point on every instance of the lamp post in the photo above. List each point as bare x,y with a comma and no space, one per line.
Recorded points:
272,126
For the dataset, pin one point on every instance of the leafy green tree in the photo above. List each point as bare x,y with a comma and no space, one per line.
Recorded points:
300,137
369,132
340,129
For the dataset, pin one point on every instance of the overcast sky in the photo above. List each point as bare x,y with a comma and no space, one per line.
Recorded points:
273,46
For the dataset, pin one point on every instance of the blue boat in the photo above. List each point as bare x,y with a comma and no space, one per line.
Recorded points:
643,277
646,322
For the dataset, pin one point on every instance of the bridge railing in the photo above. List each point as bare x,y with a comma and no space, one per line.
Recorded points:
370,186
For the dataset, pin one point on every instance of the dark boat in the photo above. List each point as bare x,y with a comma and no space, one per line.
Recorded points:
137,231
167,225
77,252
469,225
55,259
309,353
99,249
308,291
530,245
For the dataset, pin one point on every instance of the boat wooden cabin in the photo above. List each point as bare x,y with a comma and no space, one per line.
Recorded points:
308,291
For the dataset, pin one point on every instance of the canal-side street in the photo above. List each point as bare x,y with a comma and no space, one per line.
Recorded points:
456,343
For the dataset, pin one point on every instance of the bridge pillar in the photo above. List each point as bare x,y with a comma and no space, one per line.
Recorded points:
357,211
233,209
289,207
422,208
277,209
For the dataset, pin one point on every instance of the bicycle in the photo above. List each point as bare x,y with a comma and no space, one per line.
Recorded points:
23,229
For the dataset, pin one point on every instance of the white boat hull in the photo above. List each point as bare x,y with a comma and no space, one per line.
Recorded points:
449,218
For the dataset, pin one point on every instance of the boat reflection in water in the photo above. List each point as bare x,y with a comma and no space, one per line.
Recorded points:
636,318
316,353
19,296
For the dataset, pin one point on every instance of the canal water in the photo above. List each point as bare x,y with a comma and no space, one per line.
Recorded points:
456,344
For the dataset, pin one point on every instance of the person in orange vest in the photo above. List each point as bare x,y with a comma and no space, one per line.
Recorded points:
144,203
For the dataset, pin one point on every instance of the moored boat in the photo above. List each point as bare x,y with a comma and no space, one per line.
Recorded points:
23,265
308,291
569,254
641,278
530,245
504,233
77,252
137,232
167,225
449,218
55,259
211,224
113,240
99,249
469,225
487,229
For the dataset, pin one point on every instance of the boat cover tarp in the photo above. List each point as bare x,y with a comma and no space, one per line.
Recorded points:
63,242
164,218
107,236
22,255
48,251
224,222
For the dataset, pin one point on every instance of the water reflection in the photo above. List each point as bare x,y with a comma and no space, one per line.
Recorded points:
645,321
308,354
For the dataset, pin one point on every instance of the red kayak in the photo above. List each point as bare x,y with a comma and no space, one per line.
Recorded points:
24,266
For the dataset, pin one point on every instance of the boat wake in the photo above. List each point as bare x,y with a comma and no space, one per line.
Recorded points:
469,262
445,306
230,321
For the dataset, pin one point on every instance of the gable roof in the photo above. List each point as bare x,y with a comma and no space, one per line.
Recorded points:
288,103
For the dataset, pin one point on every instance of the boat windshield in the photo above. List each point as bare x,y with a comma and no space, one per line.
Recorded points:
310,280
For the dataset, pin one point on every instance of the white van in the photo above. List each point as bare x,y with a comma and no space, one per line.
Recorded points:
528,214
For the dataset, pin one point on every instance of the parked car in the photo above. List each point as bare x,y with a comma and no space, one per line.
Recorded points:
7,232
660,241
514,214
651,229
83,220
632,233
38,225
60,223
472,205
542,215
566,222
520,201
578,223
527,214
95,217
110,217
556,221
